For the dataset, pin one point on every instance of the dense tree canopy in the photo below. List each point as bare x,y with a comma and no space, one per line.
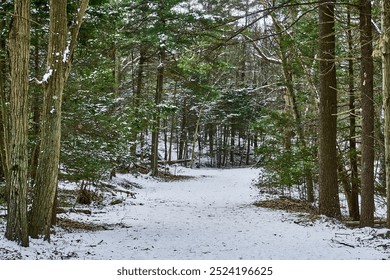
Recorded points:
209,83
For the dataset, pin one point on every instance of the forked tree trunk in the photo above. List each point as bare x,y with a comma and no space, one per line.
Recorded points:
17,161
329,203
59,62
48,162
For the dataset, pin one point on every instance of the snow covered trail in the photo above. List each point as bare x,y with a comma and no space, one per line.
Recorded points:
212,217
208,217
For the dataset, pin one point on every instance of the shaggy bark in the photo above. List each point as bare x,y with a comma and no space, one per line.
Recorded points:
59,62
17,158
329,203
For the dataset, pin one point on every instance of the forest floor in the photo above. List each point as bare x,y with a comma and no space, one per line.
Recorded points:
208,214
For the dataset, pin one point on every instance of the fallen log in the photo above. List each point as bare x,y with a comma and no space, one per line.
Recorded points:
174,161
117,188
61,210
357,223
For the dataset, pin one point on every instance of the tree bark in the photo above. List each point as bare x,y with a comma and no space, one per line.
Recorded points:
4,131
353,160
157,121
137,125
59,62
17,161
48,162
386,94
183,135
329,203
367,100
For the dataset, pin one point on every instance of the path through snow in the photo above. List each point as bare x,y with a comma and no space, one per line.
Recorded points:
208,217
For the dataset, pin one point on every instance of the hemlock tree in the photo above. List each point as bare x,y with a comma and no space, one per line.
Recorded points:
329,203
17,156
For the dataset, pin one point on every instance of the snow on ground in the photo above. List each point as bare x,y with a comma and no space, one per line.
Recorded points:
210,216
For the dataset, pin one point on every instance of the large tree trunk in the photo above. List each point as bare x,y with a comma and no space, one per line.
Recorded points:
59,62
48,162
17,161
4,131
329,203
367,97
386,94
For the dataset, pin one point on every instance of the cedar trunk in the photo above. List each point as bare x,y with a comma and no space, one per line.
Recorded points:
17,159
48,162
329,203
59,63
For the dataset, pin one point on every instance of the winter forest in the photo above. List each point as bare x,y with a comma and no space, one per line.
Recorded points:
123,106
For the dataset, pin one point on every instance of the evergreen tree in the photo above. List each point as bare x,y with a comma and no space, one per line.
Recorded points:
328,186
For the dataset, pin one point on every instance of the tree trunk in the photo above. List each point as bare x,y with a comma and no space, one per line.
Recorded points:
17,161
36,114
48,162
137,126
386,94
183,129
329,203
4,131
157,121
232,143
353,160
367,100
196,133
59,62
211,143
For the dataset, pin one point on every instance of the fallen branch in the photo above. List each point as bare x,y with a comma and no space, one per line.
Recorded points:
343,243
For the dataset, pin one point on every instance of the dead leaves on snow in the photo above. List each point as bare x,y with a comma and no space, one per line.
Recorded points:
288,204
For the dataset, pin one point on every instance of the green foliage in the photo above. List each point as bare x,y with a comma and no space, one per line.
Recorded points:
282,166
95,135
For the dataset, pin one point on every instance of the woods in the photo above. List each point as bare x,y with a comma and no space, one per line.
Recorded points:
300,90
